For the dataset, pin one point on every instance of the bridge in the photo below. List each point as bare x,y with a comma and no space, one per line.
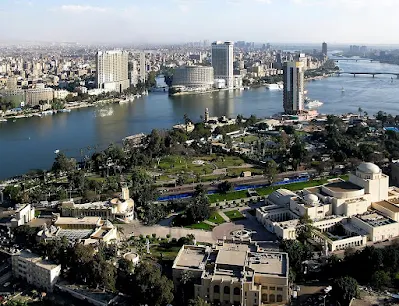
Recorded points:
352,59
367,73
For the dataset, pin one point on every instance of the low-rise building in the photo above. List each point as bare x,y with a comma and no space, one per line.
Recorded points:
235,273
24,213
36,271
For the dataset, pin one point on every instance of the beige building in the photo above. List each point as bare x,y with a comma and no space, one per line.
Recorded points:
24,213
235,273
35,95
34,270
112,70
121,208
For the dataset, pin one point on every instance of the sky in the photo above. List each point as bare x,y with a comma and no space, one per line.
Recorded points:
175,21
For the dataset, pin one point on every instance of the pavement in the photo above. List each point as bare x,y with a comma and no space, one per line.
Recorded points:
222,214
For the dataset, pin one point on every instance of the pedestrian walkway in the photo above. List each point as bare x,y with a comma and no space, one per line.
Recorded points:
223,215
210,223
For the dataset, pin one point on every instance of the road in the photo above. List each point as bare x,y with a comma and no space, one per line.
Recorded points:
253,180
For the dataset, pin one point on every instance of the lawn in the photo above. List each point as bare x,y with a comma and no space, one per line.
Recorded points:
168,253
234,215
201,225
179,164
230,196
234,172
248,139
228,161
216,218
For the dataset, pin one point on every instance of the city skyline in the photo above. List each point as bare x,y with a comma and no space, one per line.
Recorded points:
177,21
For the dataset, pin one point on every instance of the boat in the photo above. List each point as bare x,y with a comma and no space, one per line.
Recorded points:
246,87
48,112
312,104
342,89
57,151
105,112
65,110
273,86
3,120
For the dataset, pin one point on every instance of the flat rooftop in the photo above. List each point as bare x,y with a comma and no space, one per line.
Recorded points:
389,206
37,260
231,257
274,264
374,219
192,257
77,221
342,186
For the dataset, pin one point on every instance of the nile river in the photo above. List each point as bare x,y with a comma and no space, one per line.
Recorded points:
30,143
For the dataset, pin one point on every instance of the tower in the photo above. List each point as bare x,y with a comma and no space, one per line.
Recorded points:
293,95
222,61
112,70
324,48
206,118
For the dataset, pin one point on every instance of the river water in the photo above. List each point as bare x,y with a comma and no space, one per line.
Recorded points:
30,143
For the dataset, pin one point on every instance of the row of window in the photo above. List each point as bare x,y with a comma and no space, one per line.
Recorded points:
226,290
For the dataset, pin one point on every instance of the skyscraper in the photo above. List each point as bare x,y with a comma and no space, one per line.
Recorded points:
222,61
143,68
324,48
112,70
293,96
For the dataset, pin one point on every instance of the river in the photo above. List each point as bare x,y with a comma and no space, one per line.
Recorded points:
30,143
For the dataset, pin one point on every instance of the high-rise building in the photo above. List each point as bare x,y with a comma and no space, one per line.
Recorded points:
143,68
222,61
293,95
112,70
324,48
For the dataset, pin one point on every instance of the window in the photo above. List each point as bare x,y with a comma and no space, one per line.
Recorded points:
216,289
236,291
264,298
272,288
264,287
279,289
279,298
272,298
226,290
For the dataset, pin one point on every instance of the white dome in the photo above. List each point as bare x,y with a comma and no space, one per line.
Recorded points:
311,198
369,168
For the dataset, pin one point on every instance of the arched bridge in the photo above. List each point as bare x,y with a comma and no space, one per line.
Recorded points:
367,73
352,59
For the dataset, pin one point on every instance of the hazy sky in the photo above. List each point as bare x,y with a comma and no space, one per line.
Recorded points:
152,21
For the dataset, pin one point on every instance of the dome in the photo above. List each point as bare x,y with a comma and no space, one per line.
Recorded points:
369,168
311,198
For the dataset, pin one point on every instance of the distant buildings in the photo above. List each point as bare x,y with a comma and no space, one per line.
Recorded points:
293,95
36,95
35,271
193,76
112,70
222,61
324,48
235,273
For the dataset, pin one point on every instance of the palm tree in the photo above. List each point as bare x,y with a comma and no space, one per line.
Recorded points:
360,110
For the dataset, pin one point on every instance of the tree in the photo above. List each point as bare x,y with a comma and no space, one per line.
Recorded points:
200,190
380,279
225,187
198,210
344,289
198,302
63,164
271,171
150,287
185,289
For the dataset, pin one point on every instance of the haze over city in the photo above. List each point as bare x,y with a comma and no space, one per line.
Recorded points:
175,21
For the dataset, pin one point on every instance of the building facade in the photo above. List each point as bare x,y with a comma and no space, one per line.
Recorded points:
36,271
293,94
35,95
222,61
112,70
193,76
235,273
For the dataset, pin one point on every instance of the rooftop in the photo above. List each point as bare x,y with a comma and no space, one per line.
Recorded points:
388,205
190,256
374,219
34,258
77,221
342,186
232,257
268,263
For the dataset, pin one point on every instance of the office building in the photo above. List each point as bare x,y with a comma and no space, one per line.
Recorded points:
235,273
143,68
36,95
324,48
293,95
35,271
193,76
222,62
112,70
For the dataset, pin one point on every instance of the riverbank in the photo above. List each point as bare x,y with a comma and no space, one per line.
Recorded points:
184,93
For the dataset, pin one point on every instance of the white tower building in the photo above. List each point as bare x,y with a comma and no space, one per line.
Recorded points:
293,87
112,70
222,61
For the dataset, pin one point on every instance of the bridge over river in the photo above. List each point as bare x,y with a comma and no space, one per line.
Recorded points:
352,59
368,73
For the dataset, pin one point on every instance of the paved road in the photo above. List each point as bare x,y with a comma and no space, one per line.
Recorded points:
253,180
